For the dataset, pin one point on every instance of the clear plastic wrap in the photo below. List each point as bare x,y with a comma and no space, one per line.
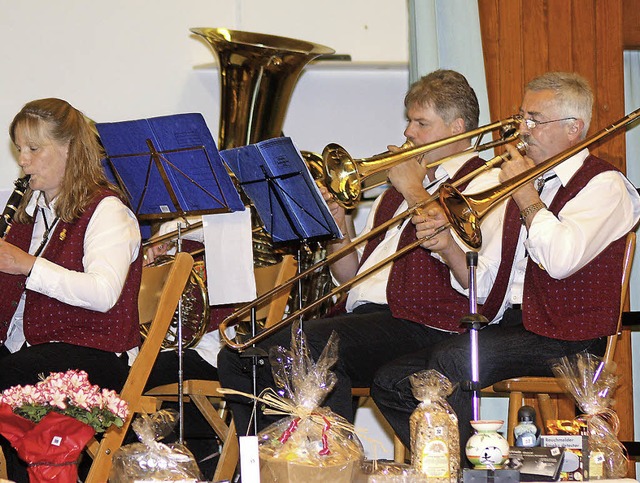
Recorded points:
151,460
379,471
311,443
592,383
435,439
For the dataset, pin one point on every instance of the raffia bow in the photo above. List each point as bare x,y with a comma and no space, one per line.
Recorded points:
281,406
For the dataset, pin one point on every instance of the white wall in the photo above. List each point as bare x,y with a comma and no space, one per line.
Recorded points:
129,59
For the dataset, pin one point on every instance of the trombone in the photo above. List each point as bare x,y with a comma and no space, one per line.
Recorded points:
345,177
464,213
243,311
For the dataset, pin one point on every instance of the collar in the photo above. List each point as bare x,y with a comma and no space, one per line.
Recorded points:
37,201
569,167
450,167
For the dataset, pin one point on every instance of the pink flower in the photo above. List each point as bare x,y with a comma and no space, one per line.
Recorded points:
68,393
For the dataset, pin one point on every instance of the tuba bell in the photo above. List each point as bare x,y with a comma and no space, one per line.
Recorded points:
258,73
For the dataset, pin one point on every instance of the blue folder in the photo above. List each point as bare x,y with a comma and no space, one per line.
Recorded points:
274,176
169,166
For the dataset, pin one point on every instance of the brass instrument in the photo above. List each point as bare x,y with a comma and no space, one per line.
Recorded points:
257,73
195,309
244,310
345,177
465,212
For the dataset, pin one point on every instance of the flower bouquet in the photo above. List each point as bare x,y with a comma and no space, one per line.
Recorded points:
50,423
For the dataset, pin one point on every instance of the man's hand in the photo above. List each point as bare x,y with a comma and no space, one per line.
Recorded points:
156,251
407,178
337,211
429,225
527,194
15,261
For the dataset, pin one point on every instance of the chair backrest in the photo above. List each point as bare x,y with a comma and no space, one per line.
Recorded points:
629,251
160,292
266,279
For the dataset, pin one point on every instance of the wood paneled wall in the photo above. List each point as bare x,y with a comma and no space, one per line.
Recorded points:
525,38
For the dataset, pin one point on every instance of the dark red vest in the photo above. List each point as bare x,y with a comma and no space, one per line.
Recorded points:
580,307
47,319
419,287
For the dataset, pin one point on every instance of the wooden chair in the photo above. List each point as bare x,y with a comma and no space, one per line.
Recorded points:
399,450
547,390
204,393
160,291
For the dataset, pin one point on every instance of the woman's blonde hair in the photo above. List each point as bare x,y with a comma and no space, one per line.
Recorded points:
84,176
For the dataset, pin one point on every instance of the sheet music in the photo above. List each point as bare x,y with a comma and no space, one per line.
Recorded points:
275,177
229,257
186,152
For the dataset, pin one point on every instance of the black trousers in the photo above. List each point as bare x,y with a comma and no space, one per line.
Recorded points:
105,369
369,337
505,351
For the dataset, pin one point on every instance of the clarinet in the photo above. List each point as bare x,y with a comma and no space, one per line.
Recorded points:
12,204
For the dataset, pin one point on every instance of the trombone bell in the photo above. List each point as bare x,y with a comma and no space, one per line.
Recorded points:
341,175
345,177
463,218
465,212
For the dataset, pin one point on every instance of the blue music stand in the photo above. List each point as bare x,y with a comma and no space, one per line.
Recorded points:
169,167
274,176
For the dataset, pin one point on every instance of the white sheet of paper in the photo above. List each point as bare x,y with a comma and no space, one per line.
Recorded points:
229,257
249,459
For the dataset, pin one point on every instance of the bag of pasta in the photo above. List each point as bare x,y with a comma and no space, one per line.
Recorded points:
592,383
311,444
435,439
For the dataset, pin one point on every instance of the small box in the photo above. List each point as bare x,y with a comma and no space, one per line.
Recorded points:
537,463
575,466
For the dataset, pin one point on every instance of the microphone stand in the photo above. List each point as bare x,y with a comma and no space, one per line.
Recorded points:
474,322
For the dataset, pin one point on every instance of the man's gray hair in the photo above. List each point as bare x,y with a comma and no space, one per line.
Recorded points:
573,94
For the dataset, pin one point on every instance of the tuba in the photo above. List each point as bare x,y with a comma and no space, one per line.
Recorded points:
258,73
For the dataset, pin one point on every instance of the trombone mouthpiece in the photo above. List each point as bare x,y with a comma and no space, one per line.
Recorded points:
522,146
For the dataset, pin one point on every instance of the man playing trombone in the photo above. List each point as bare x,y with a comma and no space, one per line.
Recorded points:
407,306
549,265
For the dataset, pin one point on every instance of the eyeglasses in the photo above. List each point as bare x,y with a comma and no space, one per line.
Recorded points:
532,123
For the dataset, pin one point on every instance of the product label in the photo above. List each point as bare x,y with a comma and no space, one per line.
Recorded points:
435,458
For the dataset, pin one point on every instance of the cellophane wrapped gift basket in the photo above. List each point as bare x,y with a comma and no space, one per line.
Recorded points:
310,443
151,460
592,383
